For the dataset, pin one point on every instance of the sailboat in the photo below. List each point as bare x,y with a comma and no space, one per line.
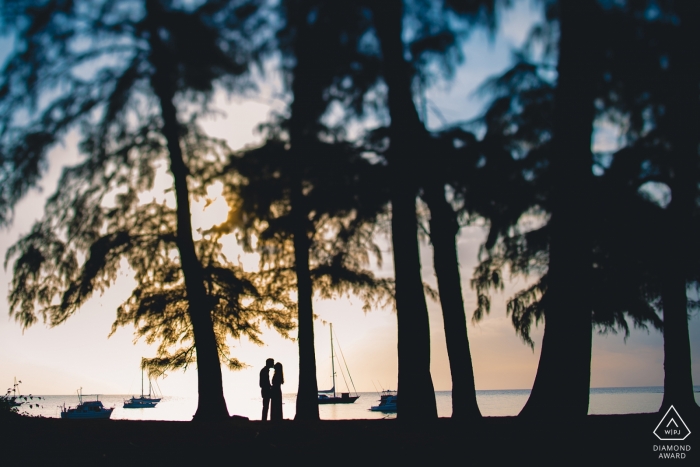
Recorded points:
324,397
14,400
143,402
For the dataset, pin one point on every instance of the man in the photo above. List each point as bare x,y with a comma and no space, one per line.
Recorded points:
265,386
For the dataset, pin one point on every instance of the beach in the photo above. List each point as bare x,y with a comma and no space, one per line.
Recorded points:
596,439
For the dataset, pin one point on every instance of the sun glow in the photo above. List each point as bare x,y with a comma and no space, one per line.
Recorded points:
210,210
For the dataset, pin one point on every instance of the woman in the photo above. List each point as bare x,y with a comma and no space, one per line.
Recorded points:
276,392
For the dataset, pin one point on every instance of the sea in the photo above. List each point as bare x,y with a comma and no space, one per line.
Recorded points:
492,403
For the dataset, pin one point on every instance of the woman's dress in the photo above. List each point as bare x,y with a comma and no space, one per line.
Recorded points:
276,398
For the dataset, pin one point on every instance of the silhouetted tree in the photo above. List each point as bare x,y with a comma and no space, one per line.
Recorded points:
563,373
414,382
80,245
565,192
436,30
681,125
625,231
661,100
309,198
103,65
343,195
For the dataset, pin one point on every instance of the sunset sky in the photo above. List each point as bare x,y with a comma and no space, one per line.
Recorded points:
79,354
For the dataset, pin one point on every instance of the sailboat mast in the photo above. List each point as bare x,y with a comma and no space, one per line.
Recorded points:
141,382
332,361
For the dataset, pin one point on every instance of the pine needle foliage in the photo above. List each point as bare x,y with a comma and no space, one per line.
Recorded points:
346,202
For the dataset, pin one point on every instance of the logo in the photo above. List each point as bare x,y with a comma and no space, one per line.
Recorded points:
672,427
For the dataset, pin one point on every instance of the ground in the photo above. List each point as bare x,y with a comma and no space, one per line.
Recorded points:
620,440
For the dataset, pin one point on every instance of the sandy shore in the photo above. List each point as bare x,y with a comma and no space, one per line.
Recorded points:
598,440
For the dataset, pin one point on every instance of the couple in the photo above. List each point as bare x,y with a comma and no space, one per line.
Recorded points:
272,391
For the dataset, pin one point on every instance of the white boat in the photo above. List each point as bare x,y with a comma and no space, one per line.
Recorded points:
345,397
143,402
87,410
387,402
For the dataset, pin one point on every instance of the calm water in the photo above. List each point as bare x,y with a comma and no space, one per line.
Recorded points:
491,403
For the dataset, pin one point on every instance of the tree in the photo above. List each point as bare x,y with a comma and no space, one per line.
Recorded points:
415,384
344,198
563,373
80,245
309,198
435,39
625,228
104,65
664,111
683,109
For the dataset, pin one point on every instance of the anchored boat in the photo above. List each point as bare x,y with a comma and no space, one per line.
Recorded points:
387,402
87,410
143,402
14,400
324,397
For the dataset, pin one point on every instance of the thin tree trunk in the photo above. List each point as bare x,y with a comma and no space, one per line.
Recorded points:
684,116
443,230
211,402
307,393
678,377
415,385
563,375
301,135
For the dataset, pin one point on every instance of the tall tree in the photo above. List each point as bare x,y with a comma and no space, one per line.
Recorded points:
566,348
683,109
437,28
79,246
323,63
667,109
407,137
564,370
624,230
141,56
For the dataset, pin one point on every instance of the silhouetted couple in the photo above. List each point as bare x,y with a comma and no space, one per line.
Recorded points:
272,392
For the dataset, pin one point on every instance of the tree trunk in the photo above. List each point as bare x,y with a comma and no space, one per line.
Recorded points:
678,377
303,119
684,119
211,403
563,375
415,386
443,230
307,394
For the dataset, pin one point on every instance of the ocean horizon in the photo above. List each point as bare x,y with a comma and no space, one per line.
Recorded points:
492,403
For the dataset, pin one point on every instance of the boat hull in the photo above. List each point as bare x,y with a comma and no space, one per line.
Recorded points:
383,408
338,400
387,402
140,403
73,415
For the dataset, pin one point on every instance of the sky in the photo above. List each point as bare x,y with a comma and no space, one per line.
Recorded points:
78,353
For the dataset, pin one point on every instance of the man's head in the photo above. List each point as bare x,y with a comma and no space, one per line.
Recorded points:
269,363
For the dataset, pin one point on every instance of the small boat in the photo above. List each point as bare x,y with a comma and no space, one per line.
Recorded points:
87,410
345,397
387,402
13,401
143,402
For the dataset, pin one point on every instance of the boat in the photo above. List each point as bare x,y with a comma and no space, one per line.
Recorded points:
14,400
143,402
87,410
325,397
387,402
